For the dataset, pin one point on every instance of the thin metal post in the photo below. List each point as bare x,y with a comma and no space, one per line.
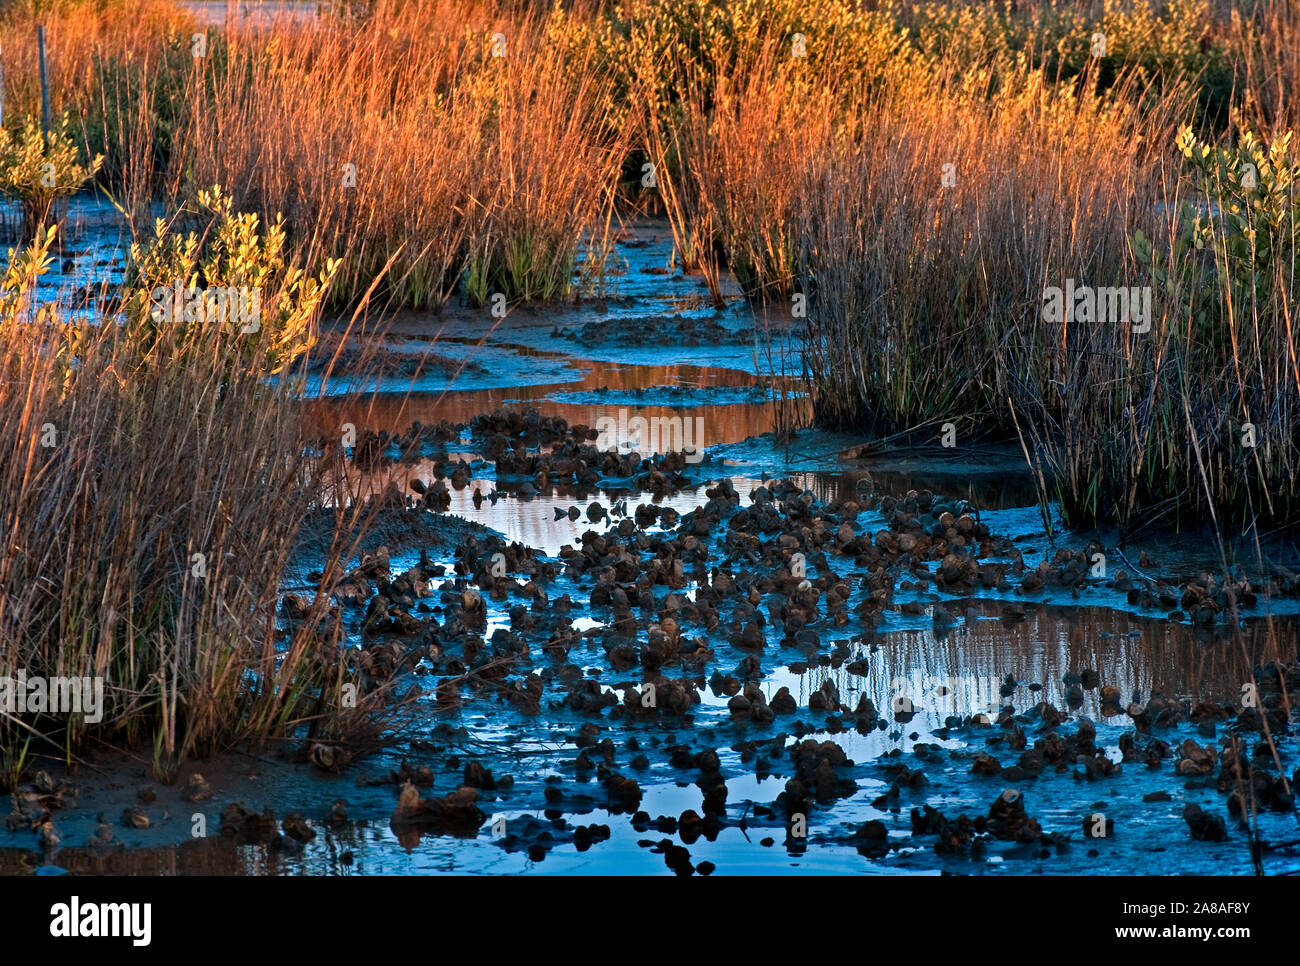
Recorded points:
45,86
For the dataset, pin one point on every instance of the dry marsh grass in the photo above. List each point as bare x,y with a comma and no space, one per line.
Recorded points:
151,499
928,238
421,145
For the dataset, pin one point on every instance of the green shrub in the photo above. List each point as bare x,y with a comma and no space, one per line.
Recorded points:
37,168
1237,228
229,280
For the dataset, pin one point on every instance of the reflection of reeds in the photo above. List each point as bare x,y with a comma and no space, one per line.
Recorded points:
730,423
1171,658
213,854
1274,653
785,398
971,661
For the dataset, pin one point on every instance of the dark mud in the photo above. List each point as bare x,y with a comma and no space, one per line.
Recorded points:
775,660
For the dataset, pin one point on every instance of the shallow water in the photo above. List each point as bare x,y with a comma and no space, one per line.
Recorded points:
89,252
956,673
215,13
535,360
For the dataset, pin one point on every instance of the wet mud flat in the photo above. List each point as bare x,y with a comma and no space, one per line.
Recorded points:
767,661
633,719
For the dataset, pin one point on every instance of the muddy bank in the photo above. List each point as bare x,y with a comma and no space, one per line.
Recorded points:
396,527
772,660
821,713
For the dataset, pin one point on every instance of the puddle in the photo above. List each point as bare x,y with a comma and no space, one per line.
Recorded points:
89,253
927,678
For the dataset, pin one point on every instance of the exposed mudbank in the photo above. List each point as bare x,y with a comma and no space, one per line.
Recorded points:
770,659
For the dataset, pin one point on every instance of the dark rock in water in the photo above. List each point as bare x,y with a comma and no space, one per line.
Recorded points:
942,618
338,813
584,836
294,607
715,801
1157,797
986,764
456,814
135,817
197,789
905,777
689,825
761,714
739,705
925,820
327,757
826,698
866,713
297,828
103,835
1110,700
954,837
676,858
783,702
1194,760
1008,821
1016,740
872,838
246,826
476,776
708,761
1085,737
421,776
624,793
1205,826
815,776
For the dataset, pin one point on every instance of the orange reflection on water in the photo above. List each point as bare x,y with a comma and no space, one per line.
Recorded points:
724,422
